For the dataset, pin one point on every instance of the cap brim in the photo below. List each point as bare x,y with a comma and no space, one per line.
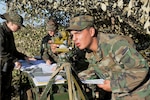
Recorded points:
75,28
22,25
5,16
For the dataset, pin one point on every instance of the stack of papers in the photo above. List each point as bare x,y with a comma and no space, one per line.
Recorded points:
47,68
37,64
43,80
40,72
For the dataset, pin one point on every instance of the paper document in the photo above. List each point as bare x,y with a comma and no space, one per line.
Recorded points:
43,80
33,65
93,81
47,68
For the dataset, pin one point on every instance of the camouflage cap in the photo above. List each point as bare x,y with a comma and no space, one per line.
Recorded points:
51,25
13,17
81,22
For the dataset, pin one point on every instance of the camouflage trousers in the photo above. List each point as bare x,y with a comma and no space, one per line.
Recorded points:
132,97
20,85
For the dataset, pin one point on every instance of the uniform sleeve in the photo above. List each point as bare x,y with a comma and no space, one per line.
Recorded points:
18,55
48,54
88,71
3,53
44,53
45,48
132,67
87,74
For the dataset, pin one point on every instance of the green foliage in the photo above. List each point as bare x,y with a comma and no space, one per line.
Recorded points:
28,40
125,17
135,10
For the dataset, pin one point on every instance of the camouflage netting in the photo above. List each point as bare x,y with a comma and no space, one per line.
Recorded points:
28,40
124,17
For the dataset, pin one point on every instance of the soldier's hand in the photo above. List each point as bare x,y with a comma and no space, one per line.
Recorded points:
17,65
105,86
29,58
32,58
50,41
48,62
53,47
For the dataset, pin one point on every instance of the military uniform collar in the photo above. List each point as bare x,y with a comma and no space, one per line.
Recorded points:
98,54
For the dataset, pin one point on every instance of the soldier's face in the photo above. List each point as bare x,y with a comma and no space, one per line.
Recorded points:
82,39
51,33
14,27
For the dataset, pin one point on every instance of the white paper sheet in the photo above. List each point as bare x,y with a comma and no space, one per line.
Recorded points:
93,81
43,80
37,64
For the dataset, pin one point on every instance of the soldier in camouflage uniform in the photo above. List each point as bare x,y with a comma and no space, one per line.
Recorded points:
9,55
111,57
46,54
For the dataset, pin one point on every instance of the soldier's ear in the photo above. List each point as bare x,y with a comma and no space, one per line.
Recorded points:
92,31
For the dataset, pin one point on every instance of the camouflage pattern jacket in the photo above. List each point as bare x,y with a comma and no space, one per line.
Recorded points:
46,53
118,61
